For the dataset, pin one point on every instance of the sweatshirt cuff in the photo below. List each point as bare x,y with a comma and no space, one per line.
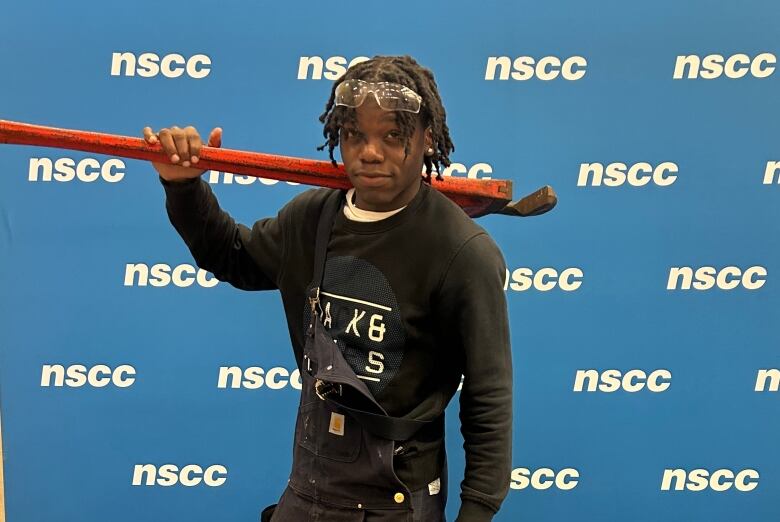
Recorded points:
471,511
185,183
186,197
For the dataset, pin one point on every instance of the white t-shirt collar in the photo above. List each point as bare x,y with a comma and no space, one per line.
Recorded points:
356,214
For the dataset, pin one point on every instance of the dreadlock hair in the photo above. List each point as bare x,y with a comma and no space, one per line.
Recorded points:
406,71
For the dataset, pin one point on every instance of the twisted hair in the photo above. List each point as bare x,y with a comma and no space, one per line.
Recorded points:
406,71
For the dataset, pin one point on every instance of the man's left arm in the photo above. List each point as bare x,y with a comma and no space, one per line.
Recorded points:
475,303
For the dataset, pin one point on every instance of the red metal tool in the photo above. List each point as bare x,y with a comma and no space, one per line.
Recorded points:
476,197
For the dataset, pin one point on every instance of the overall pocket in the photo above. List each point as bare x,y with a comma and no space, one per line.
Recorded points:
328,431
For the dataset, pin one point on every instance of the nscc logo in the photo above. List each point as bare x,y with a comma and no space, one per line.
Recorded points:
149,65
613,380
772,168
228,178
170,475
701,479
544,279
526,68
68,169
77,375
715,65
311,67
768,379
255,377
140,274
707,277
637,175
544,478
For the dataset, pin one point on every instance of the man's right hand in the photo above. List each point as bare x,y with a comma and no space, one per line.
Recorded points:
183,147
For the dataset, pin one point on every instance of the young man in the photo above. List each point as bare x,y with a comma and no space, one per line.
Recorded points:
411,298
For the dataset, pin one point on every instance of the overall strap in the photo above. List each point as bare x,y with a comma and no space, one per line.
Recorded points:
395,428
329,209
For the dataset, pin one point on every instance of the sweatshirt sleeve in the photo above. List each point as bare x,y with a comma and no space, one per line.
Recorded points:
474,305
247,258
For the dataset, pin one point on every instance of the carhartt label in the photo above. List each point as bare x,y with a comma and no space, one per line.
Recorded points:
434,487
336,424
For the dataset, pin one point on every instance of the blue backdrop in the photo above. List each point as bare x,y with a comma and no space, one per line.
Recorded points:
644,309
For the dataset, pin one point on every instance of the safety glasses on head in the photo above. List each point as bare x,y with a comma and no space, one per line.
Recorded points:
389,96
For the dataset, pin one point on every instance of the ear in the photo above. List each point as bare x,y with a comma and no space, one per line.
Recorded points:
428,138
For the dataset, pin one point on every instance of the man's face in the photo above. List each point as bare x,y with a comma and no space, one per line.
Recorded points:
373,154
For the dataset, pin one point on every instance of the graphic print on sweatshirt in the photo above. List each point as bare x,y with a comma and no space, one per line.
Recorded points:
360,311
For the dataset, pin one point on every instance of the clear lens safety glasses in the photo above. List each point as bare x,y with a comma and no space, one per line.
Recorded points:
389,96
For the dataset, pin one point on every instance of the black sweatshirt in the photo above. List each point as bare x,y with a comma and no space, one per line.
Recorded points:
415,300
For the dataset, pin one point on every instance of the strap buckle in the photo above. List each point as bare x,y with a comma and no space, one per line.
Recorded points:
315,301
323,389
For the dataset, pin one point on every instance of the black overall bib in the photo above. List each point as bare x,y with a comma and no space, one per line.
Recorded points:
341,467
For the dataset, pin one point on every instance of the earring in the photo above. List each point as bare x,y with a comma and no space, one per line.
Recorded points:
430,151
